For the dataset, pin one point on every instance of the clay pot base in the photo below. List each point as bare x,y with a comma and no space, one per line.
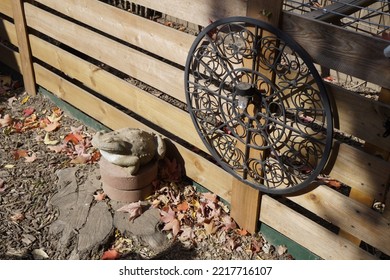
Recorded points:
119,185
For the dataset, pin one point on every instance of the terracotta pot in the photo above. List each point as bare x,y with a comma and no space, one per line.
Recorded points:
120,185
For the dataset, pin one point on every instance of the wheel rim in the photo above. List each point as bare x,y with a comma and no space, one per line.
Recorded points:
258,104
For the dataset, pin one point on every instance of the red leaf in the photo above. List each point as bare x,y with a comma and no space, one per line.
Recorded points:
28,111
73,137
111,254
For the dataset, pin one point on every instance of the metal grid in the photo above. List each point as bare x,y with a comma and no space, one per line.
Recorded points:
367,16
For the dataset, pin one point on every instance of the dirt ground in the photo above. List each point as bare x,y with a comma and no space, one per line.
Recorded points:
37,139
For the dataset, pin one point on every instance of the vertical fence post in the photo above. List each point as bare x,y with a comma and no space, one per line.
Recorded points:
245,203
24,47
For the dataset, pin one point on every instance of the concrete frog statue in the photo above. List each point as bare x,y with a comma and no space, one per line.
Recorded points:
129,147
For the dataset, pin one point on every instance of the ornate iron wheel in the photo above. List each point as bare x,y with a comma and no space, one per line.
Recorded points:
259,104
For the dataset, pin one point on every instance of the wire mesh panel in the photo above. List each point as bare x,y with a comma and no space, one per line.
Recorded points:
258,104
368,16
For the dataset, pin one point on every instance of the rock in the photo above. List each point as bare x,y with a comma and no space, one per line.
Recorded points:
83,226
129,147
145,226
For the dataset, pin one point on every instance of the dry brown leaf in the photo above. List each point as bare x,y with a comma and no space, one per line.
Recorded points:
210,227
19,154
134,208
281,249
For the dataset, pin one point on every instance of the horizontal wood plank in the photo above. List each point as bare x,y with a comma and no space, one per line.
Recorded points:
340,49
8,32
150,107
6,8
348,214
156,38
200,11
364,172
307,233
138,65
197,168
360,116
10,58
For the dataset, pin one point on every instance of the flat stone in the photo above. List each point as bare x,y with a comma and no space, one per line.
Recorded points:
97,228
83,225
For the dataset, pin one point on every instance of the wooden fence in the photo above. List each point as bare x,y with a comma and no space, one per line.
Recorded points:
67,46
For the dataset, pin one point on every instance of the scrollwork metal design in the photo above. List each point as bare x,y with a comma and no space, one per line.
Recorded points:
259,104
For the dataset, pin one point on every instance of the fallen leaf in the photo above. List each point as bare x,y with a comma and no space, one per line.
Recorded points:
173,225
39,254
9,166
19,154
28,111
57,148
100,196
281,249
31,158
134,208
48,141
183,206
25,99
52,126
11,101
74,138
210,196
76,130
5,121
111,254
210,227
81,159
242,232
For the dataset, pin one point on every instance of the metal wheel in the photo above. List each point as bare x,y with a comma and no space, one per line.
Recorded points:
259,104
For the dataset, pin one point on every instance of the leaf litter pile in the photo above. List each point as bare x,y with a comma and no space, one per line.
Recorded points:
37,139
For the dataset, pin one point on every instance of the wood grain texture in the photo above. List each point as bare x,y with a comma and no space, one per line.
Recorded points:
360,116
150,70
6,8
342,50
361,171
307,233
24,47
156,38
8,32
348,214
201,11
